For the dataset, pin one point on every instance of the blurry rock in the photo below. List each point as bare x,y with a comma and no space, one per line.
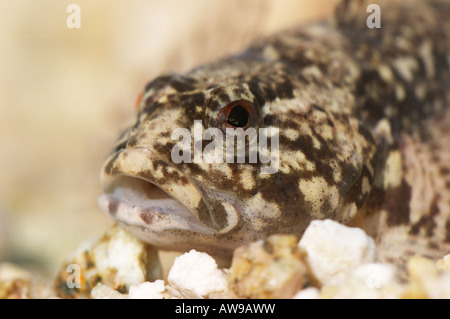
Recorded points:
426,280
270,268
196,275
334,250
444,263
17,283
307,293
117,260
367,281
101,291
330,261
149,290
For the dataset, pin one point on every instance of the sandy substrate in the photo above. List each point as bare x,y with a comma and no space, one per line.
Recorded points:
329,261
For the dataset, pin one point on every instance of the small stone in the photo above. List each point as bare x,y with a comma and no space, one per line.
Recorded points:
426,280
18,283
101,291
444,263
367,281
334,250
149,290
196,275
270,268
118,260
375,276
307,293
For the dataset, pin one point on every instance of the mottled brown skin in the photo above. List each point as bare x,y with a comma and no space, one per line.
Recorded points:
364,137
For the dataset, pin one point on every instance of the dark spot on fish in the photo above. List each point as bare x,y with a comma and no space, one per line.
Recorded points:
362,129
162,134
318,107
147,217
257,93
150,105
355,194
164,149
285,184
121,146
371,101
196,99
270,94
132,142
222,95
194,168
425,222
397,204
113,205
444,171
320,157
326,206
159,82
212,213
183,84
269,120
109,168
447,231
238,91
183,180
285,90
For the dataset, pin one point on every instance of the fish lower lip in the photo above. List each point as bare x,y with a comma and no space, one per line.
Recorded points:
131,174
135,201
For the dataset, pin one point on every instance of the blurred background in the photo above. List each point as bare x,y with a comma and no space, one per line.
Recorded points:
66,94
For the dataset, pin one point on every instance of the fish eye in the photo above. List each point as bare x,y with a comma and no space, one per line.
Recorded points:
237,114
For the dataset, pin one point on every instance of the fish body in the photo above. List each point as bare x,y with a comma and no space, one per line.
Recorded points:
363,130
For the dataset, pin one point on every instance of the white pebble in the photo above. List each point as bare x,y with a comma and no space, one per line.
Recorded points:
376,276
124,257
101,291
307,293
195,275
148,290
370,281
333,250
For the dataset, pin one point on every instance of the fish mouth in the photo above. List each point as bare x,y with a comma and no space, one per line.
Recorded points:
138,202
143,192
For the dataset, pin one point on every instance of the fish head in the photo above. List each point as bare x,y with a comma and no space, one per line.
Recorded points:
179,179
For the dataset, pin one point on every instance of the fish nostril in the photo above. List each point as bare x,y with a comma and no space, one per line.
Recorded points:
120,146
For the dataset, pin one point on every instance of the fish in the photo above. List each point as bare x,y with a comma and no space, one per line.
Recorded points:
360,119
